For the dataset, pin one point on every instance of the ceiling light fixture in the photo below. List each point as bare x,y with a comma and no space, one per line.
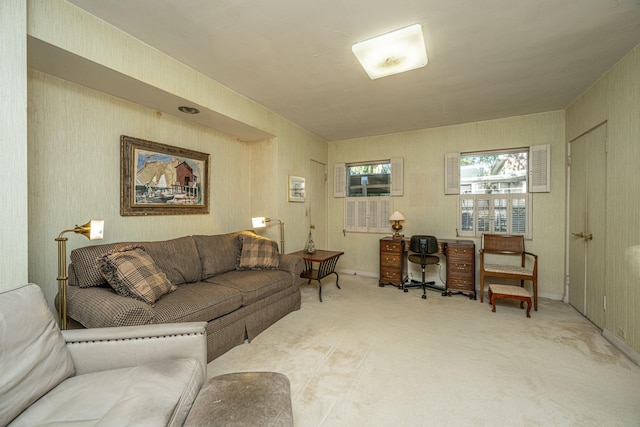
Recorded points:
392,53
188,110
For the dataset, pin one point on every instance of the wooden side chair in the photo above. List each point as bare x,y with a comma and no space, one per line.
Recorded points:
510,245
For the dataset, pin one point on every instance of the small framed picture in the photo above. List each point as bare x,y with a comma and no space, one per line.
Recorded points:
296,189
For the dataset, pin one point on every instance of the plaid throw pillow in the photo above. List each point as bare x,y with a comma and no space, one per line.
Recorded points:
258,253
131,272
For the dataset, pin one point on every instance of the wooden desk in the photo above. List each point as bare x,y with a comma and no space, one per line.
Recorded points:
460,263
327,260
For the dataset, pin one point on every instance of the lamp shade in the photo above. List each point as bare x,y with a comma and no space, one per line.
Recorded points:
258,222
94,229
396,216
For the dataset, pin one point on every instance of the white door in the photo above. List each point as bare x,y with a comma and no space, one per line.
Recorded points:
587,219
317,206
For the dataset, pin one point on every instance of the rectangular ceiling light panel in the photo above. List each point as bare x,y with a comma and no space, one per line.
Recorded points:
392,53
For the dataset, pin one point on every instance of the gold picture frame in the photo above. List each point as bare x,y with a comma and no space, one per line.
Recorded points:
160,179
296,189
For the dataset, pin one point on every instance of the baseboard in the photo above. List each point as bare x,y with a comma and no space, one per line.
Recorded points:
357,272
622,346
555,297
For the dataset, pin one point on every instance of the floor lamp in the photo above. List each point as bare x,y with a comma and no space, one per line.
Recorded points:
93,230
261,221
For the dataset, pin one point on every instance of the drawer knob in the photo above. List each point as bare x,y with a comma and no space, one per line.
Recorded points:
391,259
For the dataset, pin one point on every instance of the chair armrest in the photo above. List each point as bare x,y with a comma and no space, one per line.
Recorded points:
100,349
535,261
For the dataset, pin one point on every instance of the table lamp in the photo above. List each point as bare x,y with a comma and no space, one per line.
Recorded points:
396,217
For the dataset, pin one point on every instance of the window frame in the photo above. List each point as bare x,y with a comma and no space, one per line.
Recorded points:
538,180
368,214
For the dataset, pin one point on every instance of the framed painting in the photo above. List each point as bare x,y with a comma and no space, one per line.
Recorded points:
296,189
159,179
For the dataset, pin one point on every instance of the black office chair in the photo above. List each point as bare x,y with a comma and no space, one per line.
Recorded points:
423,247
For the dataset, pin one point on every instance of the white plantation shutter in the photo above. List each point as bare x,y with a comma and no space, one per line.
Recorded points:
350,214
397,177
373,213
494,213
361,214
540,168
452,173
384,212
339,180
368,214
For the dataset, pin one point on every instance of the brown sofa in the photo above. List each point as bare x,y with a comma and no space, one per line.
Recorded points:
236,304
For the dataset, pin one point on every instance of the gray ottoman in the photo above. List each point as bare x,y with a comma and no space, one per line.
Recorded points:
243,399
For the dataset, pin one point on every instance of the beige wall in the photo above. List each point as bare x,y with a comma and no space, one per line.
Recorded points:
74,152
13,143
429,211
616,99
73,160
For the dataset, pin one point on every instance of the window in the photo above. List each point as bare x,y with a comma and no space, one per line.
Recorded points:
368,188
369,179
494,188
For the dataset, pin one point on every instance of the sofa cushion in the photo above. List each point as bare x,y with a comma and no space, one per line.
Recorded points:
178,258
219,253
85,268
253,285
131,272
196,302
33,354
258,253
157,394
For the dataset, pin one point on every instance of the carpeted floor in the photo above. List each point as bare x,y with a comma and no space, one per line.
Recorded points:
380,357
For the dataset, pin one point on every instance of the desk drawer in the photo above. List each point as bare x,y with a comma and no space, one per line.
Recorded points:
391,246
457,267
388,259
391,274
459,283
466,252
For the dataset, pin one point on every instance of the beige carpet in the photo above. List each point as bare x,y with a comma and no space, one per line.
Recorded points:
371,356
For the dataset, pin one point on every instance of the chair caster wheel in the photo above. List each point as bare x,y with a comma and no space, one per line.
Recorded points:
406,290
444,294
424,297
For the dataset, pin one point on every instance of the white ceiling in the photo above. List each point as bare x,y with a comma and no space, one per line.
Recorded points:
487,59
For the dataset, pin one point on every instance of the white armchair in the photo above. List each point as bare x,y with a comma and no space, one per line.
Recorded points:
141,375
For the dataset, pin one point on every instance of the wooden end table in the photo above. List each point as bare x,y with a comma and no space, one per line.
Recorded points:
327,260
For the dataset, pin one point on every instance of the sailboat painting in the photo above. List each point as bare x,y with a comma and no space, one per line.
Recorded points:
159,179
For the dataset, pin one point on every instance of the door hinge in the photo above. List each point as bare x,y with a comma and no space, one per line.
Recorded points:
569,160
606,145
605,303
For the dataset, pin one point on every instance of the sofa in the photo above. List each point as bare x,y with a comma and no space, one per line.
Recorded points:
236,282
